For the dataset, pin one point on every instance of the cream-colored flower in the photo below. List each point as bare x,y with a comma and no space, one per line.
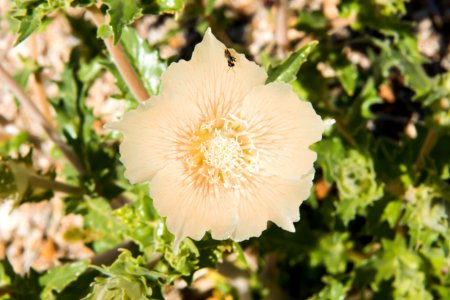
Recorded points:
222,151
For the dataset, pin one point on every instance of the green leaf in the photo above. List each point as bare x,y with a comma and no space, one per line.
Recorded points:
127,265
30,15
66,105
104,31
59,277
346,72
127,278
357,184
427,220
311,22
347,75
368,96
121,14
209,7
329,152
157,7
398,262
408,61
28,25
332,252
8,185
144,60
354,175
103,224
21,183
170,6
392,212
14,143
288,69
90,71
334,289
137,228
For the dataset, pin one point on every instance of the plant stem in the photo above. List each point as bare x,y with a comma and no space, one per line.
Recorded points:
39,118
42,182
120,59
428,144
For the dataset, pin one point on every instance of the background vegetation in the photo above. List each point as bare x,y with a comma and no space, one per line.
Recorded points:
376,224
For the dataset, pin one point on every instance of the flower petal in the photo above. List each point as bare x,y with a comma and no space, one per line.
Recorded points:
151,134
270,199
282,129
192,208
208,83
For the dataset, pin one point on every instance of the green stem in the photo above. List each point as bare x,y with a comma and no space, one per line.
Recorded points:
120,59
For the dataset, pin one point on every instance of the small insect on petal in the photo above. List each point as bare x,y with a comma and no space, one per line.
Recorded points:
230,58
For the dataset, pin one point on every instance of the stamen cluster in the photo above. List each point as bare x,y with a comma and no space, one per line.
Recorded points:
221,151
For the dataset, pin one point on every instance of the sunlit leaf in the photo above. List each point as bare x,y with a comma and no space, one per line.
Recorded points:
121,14
104,226
127,278
288,69
145,60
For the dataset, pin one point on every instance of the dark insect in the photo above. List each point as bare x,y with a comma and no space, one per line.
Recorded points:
230,58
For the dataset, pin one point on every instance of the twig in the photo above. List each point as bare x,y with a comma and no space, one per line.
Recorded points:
39,118
281,28
42,98
428,144
120,59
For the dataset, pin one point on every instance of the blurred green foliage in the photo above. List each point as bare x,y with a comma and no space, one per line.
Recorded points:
376,225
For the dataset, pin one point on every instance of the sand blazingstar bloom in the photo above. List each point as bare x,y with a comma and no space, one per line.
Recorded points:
221,151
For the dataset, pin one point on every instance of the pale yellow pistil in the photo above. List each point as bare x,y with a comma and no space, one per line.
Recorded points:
222,153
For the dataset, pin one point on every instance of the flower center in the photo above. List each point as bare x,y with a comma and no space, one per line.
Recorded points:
222,152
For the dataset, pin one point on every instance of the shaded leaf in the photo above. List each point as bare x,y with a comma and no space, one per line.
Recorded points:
59,277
